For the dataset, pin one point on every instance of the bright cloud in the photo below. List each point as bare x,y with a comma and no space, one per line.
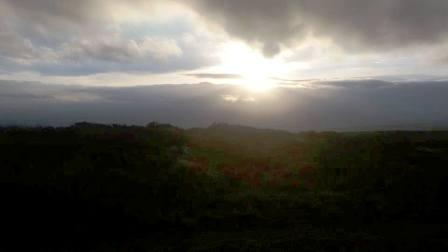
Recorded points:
255,43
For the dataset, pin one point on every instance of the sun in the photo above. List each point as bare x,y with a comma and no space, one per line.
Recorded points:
256,71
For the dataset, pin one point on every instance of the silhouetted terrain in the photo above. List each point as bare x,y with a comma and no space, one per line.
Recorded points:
92,187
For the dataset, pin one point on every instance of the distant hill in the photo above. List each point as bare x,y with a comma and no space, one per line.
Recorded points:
263,140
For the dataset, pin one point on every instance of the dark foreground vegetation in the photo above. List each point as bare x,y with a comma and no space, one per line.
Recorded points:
158,188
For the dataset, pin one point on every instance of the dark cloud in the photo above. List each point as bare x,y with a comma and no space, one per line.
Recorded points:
58,14
359,84
373,105
352,24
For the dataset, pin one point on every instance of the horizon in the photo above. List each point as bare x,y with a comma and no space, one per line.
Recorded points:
329,106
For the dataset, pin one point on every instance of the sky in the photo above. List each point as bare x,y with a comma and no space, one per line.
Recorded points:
264,47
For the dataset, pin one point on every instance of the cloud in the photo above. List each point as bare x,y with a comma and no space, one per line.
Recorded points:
354,84
116,49
238,99
59,14
113,49
87,37
15,47
351,24
399,105
230,98
92,36
214,76
296,81
102,54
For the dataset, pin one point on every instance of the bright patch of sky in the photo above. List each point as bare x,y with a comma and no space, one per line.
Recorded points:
144,42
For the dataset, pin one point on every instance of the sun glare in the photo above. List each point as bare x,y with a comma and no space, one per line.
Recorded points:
256,71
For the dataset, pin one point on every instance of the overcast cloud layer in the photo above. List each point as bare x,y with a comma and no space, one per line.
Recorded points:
343,105
85,37
352,24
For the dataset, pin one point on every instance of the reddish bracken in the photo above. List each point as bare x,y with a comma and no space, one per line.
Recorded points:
198,165
295,183
308,175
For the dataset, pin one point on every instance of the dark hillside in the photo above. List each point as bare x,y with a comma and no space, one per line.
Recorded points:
92,187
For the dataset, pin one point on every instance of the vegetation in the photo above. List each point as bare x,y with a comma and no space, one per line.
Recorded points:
121,188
